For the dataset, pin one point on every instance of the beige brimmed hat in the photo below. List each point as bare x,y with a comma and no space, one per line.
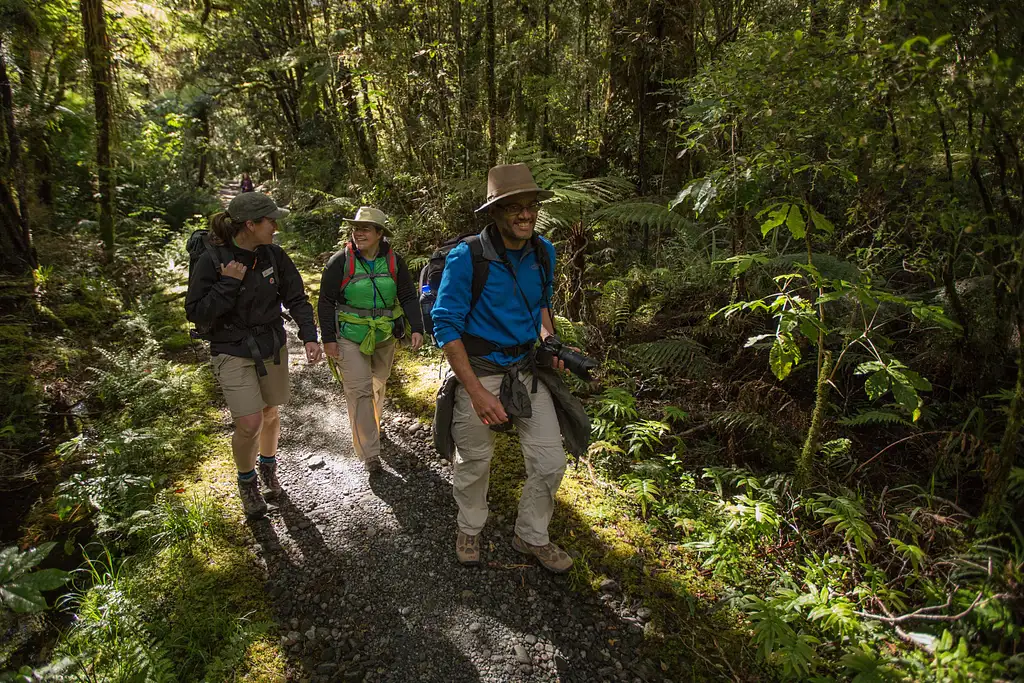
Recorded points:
511,179
367,215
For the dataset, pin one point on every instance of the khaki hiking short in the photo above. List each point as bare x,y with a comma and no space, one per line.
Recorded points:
244,390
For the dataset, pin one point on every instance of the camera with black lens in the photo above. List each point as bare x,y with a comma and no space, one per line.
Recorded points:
575,362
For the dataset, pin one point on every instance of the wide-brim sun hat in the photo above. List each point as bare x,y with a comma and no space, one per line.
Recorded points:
509,180
367,215
254,206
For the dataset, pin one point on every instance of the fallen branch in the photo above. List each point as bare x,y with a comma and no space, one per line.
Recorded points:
928,613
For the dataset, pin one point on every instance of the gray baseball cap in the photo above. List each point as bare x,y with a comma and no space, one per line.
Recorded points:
253,206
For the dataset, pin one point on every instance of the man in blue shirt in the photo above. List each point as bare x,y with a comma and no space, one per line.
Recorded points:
489,346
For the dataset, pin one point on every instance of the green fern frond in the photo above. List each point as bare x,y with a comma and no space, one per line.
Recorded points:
680,356
874,417
738,421
548,171
643,213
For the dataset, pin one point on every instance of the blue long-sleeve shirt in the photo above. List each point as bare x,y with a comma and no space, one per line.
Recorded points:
500,316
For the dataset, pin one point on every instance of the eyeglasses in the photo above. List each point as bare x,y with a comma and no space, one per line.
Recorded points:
363,228
516,209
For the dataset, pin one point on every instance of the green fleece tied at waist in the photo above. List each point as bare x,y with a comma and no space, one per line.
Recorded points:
382,324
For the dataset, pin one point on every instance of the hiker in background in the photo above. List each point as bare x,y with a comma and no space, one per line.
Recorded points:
367,301
236,290
247,185
493,304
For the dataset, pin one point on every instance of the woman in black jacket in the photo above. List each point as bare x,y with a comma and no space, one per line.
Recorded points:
238,295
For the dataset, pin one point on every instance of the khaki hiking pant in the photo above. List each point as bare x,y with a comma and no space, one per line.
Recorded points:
541,441
364,379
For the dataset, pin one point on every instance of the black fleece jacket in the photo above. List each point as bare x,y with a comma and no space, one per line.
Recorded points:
233,307
331,295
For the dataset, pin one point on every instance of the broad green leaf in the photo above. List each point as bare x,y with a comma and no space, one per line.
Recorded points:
821,223
795,222
776,217
906,396
809,328
877,384
917,381
869,366
783,356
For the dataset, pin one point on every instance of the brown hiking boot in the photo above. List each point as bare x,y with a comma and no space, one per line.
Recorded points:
550,556
252,500
271,484
467,549
372,465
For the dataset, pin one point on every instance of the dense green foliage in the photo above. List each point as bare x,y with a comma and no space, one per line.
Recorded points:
792,232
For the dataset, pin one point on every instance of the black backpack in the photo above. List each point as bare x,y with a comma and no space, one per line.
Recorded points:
430,274
198,244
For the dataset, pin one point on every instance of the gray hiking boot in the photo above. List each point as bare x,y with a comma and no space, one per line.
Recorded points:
252,500
550,556
271,484
467,549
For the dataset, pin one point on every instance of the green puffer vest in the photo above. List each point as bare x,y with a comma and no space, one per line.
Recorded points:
360,293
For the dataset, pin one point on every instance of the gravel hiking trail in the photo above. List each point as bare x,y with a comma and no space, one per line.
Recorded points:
363,580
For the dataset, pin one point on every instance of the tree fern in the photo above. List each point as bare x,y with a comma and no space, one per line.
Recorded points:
644,213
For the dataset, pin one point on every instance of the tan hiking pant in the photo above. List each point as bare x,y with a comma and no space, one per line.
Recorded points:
364,379
541,441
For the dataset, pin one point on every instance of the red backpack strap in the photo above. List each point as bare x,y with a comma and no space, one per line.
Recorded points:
393,265
350,265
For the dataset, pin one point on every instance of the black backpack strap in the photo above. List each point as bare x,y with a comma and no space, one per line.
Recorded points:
277,279
542,259
481,269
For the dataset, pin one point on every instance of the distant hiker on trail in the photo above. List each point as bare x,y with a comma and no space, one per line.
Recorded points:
247,185
493,304
367,301
236,288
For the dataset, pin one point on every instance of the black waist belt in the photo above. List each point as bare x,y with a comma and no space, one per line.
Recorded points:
478,346
254,348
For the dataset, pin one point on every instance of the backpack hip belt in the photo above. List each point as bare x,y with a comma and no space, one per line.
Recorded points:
478,346
383,324
367,312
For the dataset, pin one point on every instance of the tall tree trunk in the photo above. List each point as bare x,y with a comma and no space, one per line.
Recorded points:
460,63
371,128
545,133
97,52
355,121
586,67
18,255
492,93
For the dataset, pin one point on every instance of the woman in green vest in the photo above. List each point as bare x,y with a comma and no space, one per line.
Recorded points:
367,301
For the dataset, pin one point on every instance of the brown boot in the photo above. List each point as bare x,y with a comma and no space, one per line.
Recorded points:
252,500
550,556
467,549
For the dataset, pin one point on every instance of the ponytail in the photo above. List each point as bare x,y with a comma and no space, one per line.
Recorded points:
224,228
